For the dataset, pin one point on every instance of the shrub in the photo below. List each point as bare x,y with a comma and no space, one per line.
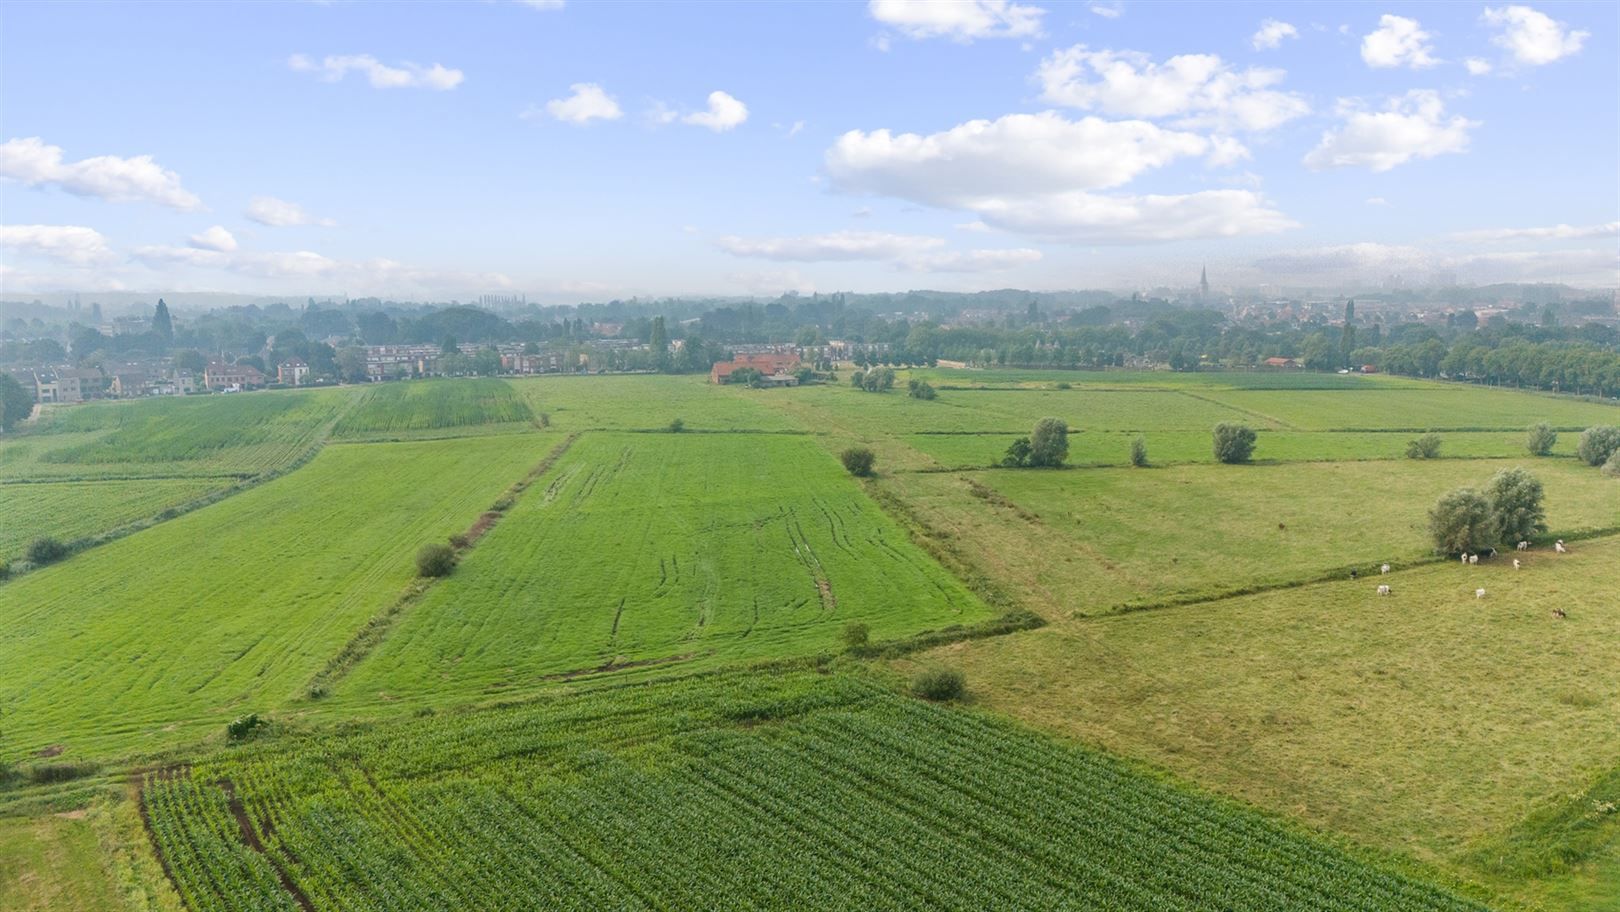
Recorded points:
1017,453
856,634
1234,443
1424,447
244,728
858,379
503,503
1611,468
1139,452
921,389
47,550
676,426
61,771
1064,384
435,560
1539,440
939,684
459,540
1461,522
858,460
1598,444
1516,508
1049,443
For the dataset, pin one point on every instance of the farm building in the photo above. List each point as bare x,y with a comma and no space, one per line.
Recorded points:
292,371
771,364
1281,362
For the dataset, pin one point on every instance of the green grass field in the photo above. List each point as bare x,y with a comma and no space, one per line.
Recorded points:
480,404
1456,407
697,547
1429,721
72,510
650,403
732,792
231,608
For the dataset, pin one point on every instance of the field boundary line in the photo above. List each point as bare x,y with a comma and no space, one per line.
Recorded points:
1281,424
372,633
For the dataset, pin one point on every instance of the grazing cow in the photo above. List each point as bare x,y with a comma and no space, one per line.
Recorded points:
1384,569
1465,558
1524,546
1479,593
1559,547
1515,563
1559,613
1383,590
1473,558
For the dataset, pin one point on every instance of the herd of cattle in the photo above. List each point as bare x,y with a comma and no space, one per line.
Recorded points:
1473,559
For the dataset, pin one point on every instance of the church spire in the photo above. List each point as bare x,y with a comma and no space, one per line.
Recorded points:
1203,284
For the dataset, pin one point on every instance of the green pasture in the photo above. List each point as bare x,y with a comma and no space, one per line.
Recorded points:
476,404
1435,406
233,607
651,402
750,791
667,547
1429,721
69,511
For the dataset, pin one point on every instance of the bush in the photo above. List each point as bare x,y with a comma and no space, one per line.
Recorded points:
1064,384
1424,447
1610,468
435,560
459,540
1234,443
1139,452
676,426
1598,444
1049,443
856,634
939,684
858,460
1539,440
921,389
1516,508
1461,522
60,771
1017,453
244,728
47,550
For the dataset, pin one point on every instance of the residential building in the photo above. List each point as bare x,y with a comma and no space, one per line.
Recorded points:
292,372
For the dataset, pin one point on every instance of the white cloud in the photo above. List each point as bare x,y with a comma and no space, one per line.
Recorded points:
1531,36
107,177
1551,232
278,213
1398,42
1369,260
215,238
1377,201
973,260
589,102
1107,10
1224,150
1271,34
1080,217
1198,88
724,113
772,283
1413,125
73,244
838,245
958,20
302,269
543,4
333,68
1477,66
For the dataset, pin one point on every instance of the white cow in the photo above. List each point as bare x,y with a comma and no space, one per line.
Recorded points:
1515,563
1465,558
1473,558
1479,593
1384,569
1383,590
1524,546
1559,547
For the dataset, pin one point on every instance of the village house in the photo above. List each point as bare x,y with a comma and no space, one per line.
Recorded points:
1280,362
231,377
770,364
292,372
64,384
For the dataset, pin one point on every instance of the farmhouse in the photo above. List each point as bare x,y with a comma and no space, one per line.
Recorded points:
771,364
1285,363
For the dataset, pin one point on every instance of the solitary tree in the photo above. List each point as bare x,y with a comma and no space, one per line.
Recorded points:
1539,440
1139,457
1597,444
1234,443
1424,447
1461,521
1049,443
1516,507
162,323
858,460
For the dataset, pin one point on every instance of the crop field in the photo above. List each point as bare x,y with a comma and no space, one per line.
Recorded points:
1208,380
1429,721
436,405
1462,408
231,608
659,547
798,791
232,435
643,403
1094,539
71,510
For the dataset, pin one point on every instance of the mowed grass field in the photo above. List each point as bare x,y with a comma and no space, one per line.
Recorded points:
687,547
72,510
650,402
1093,540
231,608
480,405
1429,721
739,791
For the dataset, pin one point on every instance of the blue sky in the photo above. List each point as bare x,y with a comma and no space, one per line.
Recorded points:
582,151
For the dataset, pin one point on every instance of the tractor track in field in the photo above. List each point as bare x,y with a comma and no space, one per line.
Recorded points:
250,838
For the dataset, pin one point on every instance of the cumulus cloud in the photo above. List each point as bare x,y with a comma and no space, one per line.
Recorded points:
107,177
1271,34
278,213
589,102
73,244
1199,89
1551,232
215,238
724,113
333,68
1531,36
1477,66
958,20
1413,125
1398,42
973,260
1036,173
